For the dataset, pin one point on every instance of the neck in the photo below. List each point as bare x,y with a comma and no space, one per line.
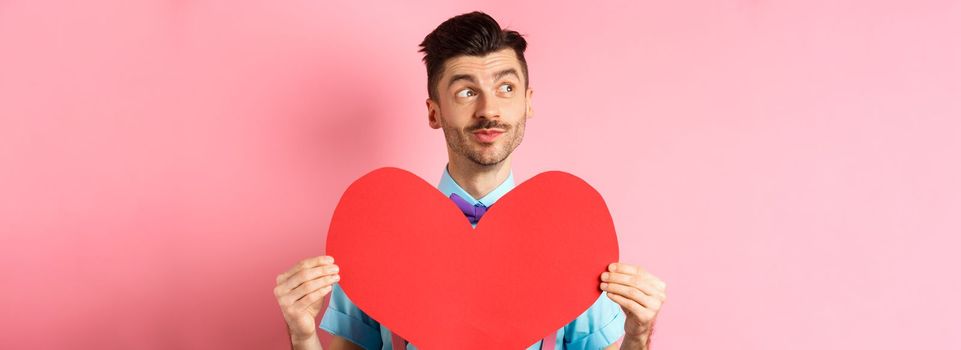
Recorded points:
478,180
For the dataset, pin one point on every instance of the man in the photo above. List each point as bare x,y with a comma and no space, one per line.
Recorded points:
479,95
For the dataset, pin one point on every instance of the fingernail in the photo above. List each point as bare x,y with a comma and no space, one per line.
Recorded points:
336,269
604,276
603,285
612,266
336,277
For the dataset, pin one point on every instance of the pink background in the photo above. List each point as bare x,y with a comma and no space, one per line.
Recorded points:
789,168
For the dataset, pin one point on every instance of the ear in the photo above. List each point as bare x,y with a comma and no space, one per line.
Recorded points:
530,106
433,113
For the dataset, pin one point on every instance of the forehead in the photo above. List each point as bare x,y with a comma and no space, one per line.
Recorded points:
482,67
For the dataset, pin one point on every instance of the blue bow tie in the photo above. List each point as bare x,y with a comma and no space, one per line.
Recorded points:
472,212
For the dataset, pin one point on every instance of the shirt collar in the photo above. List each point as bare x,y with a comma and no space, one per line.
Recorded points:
447,186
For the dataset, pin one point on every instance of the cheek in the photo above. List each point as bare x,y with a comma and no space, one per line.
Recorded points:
457,117
518,110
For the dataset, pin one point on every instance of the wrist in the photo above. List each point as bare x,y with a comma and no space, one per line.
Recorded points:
298,337
302,339
636,342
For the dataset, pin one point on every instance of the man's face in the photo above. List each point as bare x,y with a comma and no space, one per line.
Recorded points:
482,106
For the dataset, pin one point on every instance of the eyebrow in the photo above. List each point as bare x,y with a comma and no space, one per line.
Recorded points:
470,78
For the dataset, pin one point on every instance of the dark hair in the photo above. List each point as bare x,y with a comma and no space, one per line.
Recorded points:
472,34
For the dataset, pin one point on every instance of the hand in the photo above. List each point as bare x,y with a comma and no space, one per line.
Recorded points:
640,294
300,292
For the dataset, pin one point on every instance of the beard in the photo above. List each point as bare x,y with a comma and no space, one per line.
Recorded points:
461,141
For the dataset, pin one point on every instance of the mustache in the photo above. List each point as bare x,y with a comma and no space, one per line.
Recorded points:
489,124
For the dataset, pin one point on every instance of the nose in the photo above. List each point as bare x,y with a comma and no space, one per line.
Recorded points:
488,107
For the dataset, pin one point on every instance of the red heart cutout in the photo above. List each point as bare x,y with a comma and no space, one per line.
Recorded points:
410,259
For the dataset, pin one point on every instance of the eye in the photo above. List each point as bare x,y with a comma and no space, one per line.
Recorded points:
505,88
465,93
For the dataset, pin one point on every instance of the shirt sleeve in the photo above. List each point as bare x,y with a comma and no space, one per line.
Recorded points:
343,318
597,328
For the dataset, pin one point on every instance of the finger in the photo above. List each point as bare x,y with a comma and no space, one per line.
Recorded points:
640,275
634,294
614,277
625,268
319,304
629,305
304,276
660,283
315,307
308,287
313,297
657,282
305,304
317,284
310,274
650,288
625,303
632,308
304,264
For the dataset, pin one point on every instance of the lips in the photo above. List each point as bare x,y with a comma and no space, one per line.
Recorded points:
487,135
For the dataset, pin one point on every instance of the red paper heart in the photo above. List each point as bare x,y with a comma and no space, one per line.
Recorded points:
410,259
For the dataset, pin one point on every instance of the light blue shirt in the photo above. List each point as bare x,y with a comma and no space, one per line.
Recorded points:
598,327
